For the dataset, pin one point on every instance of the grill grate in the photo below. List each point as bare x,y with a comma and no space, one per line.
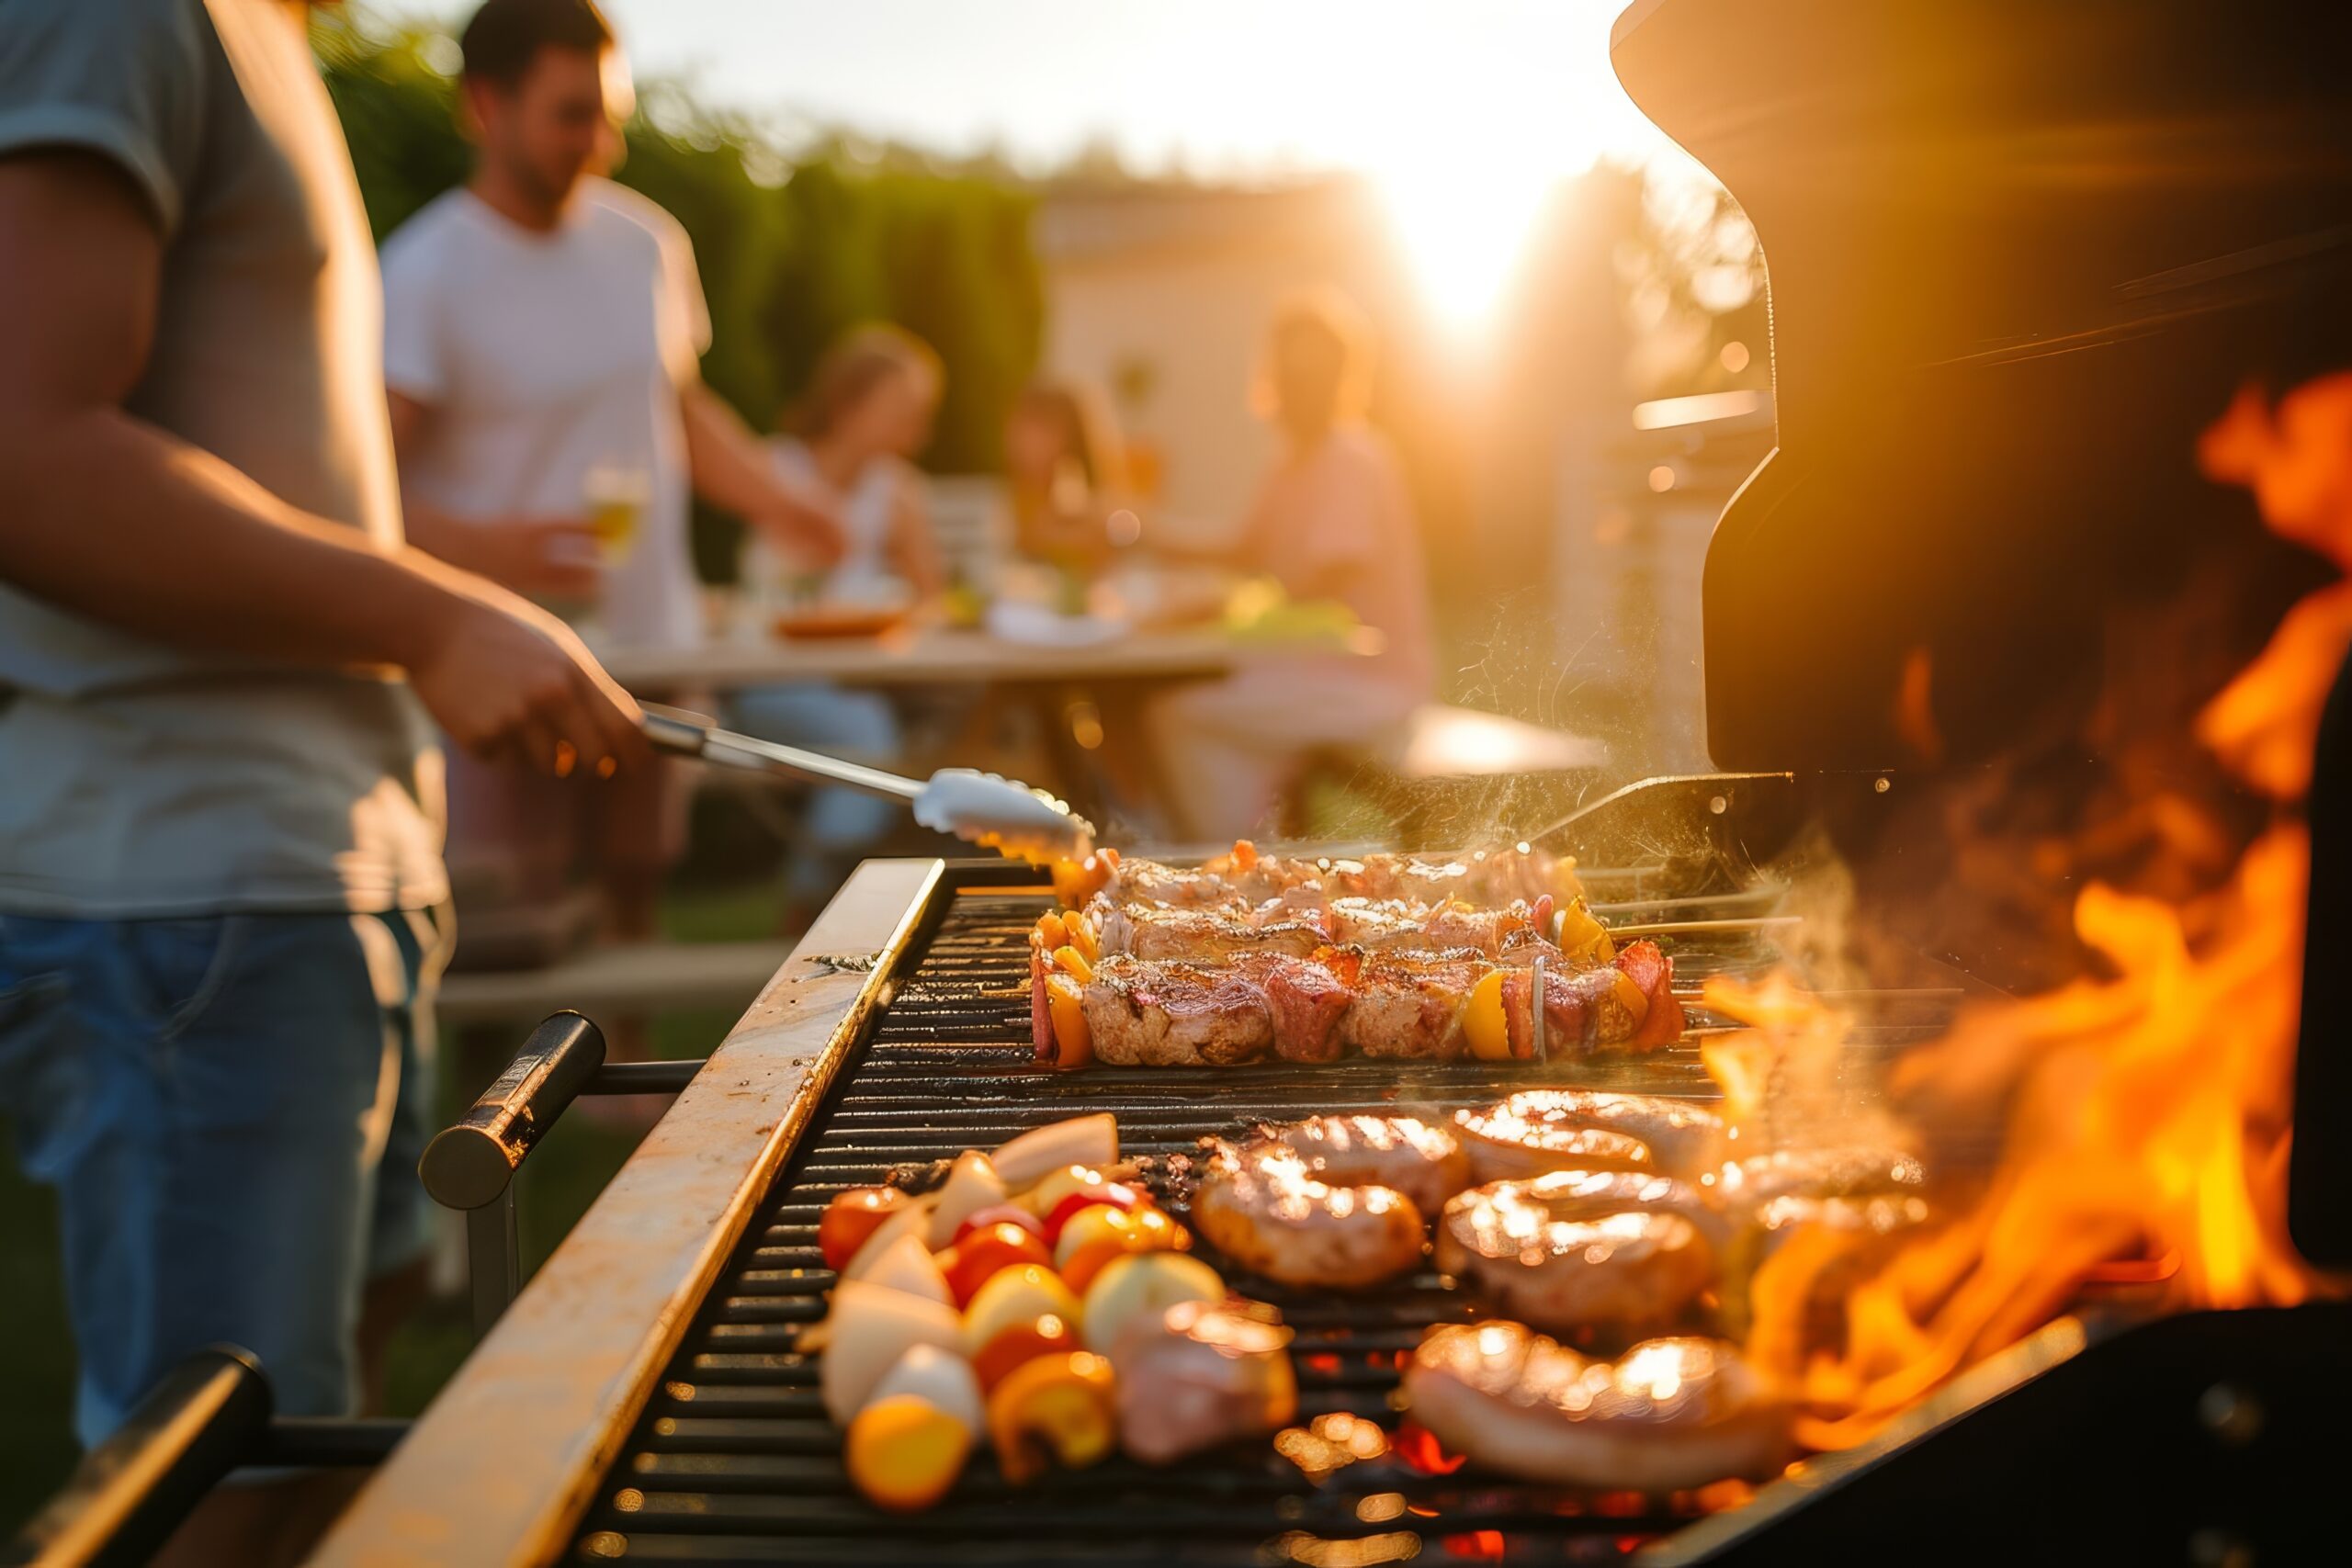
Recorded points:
735,1462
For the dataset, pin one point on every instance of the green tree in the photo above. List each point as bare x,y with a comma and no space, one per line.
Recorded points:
793,251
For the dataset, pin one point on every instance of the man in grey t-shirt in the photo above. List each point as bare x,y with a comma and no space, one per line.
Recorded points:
220,825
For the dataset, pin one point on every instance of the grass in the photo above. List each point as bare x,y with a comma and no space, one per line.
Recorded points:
563,1177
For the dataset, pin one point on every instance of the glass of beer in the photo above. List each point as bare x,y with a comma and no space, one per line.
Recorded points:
615,495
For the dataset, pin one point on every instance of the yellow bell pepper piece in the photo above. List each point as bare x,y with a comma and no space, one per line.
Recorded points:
1073,963
1483,1021
1073,1041
1053,1409
904,1452
1082,937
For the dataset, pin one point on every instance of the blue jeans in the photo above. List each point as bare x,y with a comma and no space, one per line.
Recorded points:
839,823
231,1108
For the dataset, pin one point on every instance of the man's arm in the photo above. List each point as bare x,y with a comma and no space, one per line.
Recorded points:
554,556
116,519
731,471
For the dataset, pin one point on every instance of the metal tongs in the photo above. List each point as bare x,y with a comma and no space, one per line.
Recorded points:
982,808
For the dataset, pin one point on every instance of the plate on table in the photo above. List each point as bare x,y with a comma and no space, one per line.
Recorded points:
841,620
1013,621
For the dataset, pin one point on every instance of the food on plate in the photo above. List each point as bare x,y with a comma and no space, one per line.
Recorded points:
1484,876
872,1327
1145,1012
1549,1129
1263,1205
1575,1249
1057,1409
854,1216
1422,1159
1200,1374
1143,1284
1667,1415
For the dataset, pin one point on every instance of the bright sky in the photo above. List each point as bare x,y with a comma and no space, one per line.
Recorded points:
1465,111
1217,86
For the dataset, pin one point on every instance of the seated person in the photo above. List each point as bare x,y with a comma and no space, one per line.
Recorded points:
1333,520
1065,469
868,411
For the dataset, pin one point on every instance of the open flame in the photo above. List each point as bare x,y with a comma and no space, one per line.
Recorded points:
2148,1111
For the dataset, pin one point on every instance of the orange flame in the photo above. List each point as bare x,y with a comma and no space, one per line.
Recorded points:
2149,1112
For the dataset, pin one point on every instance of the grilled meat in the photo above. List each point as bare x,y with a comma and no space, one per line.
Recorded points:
1547,1129
1486,877
1575,1248
1263,1205
1670,1413
1144,1012
1419,1158
1209,934
1863,1170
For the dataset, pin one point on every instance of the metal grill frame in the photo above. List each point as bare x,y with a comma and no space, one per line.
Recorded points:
511,1459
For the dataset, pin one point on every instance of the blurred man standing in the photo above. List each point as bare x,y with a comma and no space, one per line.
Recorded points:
543,332
221,824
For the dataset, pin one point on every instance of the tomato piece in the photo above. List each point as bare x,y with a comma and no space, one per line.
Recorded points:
1002,1214
971,1261
1113,1194
854,1215
1048,1333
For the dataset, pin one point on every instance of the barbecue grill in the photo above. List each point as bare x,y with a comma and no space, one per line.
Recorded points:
2019,256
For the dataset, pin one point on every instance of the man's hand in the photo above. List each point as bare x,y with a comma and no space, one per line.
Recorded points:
506,678
553,558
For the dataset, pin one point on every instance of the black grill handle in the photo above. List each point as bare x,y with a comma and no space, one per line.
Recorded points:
129,1493
471,1164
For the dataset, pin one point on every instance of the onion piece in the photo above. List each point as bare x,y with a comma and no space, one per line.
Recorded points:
914,1220
941,1380
872,1327
972,1185
908,1266
1083,1140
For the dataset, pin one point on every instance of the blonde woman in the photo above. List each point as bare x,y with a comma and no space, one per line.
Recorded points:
867,413
853,439
1333,520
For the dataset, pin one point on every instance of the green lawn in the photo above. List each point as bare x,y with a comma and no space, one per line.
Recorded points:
37,1447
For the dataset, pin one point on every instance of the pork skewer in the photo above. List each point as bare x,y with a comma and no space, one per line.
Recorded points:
1243,874
1134,1012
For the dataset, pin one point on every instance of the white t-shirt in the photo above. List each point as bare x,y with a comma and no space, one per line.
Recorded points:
545,356
139,778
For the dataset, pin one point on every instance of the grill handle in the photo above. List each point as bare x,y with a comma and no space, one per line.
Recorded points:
131,1493
471,1164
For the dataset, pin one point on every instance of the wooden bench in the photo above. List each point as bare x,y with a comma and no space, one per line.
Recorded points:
621,978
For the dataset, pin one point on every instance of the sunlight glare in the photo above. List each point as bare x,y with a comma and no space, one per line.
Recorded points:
1463,222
